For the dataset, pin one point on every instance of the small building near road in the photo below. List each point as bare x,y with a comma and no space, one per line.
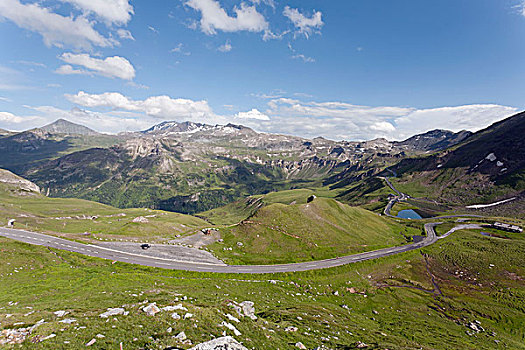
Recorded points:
507,227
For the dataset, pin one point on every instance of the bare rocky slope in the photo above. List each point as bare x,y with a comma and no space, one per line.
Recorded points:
9,178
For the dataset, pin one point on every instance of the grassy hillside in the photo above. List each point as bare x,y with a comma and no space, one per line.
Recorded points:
237,211
324,228
386,303
74,217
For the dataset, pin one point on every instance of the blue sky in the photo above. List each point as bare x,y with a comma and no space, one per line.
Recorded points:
354,69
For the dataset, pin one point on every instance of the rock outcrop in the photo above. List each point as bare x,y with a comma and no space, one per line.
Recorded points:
8,177
223,343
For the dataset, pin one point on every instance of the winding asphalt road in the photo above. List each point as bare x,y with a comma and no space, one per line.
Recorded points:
105,253
140,259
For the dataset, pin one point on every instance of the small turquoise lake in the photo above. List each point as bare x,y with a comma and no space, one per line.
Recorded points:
408,214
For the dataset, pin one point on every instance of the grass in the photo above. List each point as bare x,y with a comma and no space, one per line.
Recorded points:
386,303
322,229
237,211
67,216
378,315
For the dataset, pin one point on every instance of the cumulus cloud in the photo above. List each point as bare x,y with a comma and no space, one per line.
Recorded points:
333,119
67,69
55,29
305,25
10,118
110,122
214,17
155,106
112,67
468,117
112,12
253,114
14,122
339,120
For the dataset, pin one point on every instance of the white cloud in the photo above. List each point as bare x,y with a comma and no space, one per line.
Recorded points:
214,17
253,114
382,127
305,59
67,69
110,122
125,34
55,29
339,120
468,117
111,11
31,64
521,8
11,121
270,3
180,49
10,118
333,119
226,47
305,25
155,106
112,67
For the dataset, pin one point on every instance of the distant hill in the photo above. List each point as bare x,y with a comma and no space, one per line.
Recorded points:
321,229
62,126
489,164
434,140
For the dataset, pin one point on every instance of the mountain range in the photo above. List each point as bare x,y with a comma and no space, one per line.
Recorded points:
192,167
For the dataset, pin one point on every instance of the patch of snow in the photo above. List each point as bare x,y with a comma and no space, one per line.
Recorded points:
491,157
498,163
479,206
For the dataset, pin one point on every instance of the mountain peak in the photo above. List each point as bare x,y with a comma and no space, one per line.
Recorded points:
63,126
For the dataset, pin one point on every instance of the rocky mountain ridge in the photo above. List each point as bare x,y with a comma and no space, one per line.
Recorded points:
192,166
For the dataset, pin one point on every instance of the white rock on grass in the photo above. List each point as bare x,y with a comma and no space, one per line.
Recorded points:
60,313
222,343
300,345
151,309
181,336
141,219
174,307
91,342
231,327
248,309
180,307
232,318
114,312
68,320
175,316
188,315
